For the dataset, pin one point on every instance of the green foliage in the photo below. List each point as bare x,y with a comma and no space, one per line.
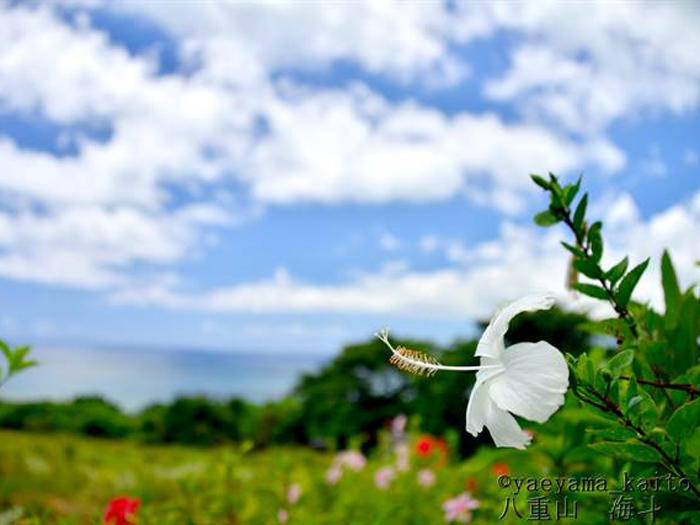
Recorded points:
629,282
356,393
683,422
648,390
15,359
350,399
67,480
90,416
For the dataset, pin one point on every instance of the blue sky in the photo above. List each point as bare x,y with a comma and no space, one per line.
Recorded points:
290,177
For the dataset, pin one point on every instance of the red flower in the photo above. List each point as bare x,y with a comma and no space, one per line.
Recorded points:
501,469
424,445
471,485
122,510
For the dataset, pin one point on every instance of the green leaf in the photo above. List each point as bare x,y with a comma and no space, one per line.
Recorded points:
678,397
580,212
17,360
620,361
21,352
540,181
684,420
584,369
588,268
26,364
5,349
573,191
632,389
596,240
591,290
578,252
546,218
617,433
614,326
682,332
669,281
692,444
602,379
613,274
614,392
629,451
642,410
624,292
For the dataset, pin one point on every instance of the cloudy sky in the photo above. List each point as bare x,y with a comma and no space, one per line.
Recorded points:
286,176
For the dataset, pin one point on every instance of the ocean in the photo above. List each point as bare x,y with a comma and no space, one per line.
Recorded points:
134,378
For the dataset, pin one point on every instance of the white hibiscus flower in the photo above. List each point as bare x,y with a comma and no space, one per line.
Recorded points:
525,379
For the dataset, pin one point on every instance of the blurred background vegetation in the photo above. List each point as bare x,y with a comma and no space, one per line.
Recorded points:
352,397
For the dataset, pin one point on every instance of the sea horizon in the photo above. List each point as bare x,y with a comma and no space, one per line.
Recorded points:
135,376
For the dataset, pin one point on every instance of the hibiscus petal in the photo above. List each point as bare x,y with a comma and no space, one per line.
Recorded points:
491,342
476,409
504,429
533,382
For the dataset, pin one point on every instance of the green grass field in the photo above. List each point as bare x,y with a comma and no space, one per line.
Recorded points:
65,479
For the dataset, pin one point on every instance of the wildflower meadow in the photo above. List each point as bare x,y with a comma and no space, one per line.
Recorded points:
545,416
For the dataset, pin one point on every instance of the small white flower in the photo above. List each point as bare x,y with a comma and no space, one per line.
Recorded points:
525,379
528,380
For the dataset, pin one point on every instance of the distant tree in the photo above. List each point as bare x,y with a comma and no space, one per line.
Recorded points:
355,394
278,422
195,421
95,416
151,423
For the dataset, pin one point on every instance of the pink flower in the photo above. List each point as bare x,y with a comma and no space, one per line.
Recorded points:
293,493
403,453
282,516
459,508
351,459
383,477
398,425
333,475
426,478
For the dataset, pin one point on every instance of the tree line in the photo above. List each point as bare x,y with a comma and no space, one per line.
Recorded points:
350,398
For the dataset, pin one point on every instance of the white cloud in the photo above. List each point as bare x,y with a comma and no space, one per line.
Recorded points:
241,42
583,66
354,146
326,146
621,211
672,229
83,219
521,260
690,157
91,246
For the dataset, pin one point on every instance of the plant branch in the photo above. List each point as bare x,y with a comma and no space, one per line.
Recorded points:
586,249
690,389
669,462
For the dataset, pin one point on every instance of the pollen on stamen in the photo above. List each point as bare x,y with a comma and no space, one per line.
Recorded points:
414,362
